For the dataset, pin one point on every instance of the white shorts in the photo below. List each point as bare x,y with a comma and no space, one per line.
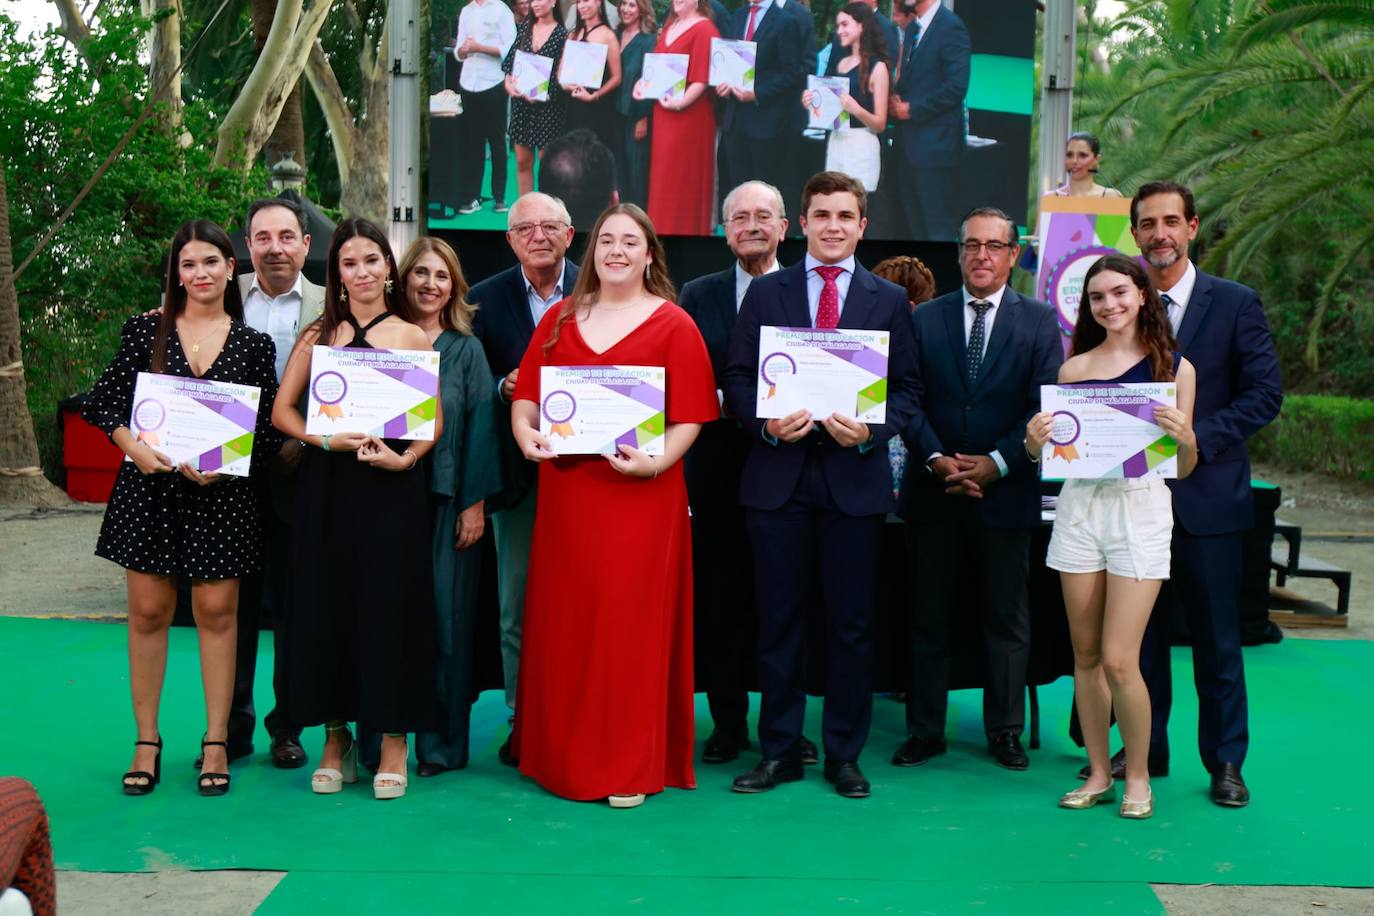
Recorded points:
1122,526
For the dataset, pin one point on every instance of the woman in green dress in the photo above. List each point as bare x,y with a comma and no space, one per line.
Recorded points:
637,37
464,469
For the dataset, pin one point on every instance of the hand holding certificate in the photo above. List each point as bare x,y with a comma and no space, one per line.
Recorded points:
532,73
593,410
390,394
826,111
1108,430
584,64
825,371
732,64
206,424
665,77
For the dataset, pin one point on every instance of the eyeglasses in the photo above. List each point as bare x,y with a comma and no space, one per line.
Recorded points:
550,228
762,217
971,247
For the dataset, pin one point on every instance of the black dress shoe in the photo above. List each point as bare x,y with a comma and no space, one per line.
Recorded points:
768,775
809,755
425,768
1157,767
916,751
1228,788
236,752
508,758
287,753
725,744
1007,751
848,779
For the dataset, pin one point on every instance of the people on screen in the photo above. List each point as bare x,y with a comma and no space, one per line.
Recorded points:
534,122
486,31
856,150
578,169
638,33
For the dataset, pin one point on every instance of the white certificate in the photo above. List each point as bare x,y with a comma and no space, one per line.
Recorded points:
826,112
584,64
823,370
393,394
732,63
532,72
1108,429
206,424
591,410
665,76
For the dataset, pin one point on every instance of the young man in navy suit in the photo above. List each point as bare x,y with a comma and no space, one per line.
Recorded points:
1222,331
928,106
971,494
816,491
509,305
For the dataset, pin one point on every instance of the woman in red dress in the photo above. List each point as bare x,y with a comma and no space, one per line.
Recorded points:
606,705
682,152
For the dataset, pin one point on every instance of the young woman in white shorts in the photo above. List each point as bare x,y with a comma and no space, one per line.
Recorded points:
1111,536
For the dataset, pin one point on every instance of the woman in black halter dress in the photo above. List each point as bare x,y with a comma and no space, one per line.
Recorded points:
360,611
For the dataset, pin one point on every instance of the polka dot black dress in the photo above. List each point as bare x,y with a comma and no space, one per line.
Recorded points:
164,523
534,124
361,643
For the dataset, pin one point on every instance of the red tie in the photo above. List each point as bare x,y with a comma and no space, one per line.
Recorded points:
753,12
828,311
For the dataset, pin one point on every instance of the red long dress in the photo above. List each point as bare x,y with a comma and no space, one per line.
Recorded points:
682,154
605,692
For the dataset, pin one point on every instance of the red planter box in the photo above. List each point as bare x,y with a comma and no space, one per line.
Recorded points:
92,460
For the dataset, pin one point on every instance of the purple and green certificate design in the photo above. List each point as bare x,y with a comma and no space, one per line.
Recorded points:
593,410
1107,430
201,422
824,370
393,394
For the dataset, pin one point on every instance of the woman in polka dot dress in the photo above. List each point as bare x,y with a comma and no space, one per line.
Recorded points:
166,520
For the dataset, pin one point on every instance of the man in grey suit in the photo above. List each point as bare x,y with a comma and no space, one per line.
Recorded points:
281,302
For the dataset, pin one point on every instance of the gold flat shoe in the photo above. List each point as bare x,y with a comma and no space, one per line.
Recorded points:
1082,798
1138,810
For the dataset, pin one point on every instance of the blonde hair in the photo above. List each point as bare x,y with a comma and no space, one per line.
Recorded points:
457,312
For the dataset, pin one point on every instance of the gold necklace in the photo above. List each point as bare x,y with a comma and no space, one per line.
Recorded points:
195,347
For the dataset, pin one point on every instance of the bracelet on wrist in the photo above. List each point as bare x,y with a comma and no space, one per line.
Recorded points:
414,459
324,441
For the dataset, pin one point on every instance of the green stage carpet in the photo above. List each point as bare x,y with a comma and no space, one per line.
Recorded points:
956,834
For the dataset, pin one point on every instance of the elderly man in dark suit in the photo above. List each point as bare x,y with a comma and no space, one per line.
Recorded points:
1222,331
509,305
971,494
816,491
723,590
928,104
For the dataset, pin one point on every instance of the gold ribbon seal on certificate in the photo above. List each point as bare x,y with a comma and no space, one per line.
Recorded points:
561,429
1067,452
331,410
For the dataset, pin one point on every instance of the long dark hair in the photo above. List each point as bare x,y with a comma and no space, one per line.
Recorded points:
587,289
336,309
1152,323
581,27
174,294
871,45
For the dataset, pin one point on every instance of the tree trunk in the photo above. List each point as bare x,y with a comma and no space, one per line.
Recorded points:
367,194
21,479
289,134
164,62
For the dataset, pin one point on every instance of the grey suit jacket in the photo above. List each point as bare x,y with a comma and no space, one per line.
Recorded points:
312,299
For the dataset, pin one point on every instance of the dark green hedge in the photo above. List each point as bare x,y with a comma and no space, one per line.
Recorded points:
1324,433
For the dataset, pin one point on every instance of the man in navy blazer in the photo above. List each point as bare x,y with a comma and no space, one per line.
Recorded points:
816,491
753,123
1222,331
971,494
509,305
724,619
928,105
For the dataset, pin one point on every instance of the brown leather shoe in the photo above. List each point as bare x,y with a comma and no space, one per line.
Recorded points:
1228,788
287,753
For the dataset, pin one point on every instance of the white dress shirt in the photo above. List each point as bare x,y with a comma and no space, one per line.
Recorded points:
538,304
1180,293
815,283
988,317
743,278
276,316
488,22
925,21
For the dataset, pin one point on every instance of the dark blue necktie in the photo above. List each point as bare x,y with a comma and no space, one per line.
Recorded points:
975,338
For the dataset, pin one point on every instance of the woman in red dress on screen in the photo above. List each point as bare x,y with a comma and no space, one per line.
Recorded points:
606,706
682,151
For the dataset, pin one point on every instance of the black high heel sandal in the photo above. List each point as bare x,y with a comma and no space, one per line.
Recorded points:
208,785
145,788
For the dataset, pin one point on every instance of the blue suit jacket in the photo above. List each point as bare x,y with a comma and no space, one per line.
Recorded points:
1226,337
715,460
860,481
504,325
781,75
1024,351
934,80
